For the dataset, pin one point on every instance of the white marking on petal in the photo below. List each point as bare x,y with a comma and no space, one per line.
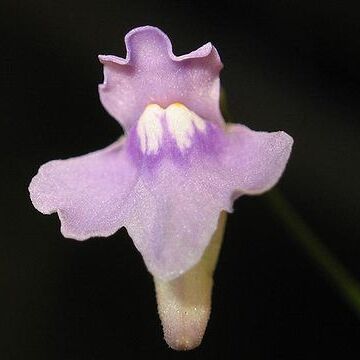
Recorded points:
180,124
149,129
199,122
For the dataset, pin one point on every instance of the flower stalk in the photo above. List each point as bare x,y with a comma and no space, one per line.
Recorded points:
337,274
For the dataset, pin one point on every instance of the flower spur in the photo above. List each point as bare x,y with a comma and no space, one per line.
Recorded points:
168,179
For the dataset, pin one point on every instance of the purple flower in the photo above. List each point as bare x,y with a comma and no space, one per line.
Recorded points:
175,169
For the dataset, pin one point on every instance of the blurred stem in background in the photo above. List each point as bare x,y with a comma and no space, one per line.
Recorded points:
344,282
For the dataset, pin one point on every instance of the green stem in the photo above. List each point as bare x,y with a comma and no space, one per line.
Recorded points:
343,281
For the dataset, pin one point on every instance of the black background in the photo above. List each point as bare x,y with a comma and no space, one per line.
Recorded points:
290,65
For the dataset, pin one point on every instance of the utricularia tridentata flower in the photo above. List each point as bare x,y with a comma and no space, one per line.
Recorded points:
175,169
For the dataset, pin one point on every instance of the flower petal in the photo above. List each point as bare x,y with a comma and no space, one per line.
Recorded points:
174,213
174,209
255,159
88,192
151,73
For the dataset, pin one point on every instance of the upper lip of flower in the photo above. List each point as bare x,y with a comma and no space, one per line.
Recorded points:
171,211
151,73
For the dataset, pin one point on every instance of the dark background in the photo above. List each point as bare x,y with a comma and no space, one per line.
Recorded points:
290,65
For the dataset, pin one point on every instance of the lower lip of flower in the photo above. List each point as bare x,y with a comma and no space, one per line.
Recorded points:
175,130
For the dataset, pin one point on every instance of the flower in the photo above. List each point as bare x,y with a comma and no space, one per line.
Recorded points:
168,179
175,169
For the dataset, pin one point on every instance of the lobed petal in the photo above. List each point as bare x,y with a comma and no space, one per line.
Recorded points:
174,212
88,192
171,210
151,73
255,160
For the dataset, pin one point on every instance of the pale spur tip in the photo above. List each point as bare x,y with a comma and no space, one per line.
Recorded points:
184,304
